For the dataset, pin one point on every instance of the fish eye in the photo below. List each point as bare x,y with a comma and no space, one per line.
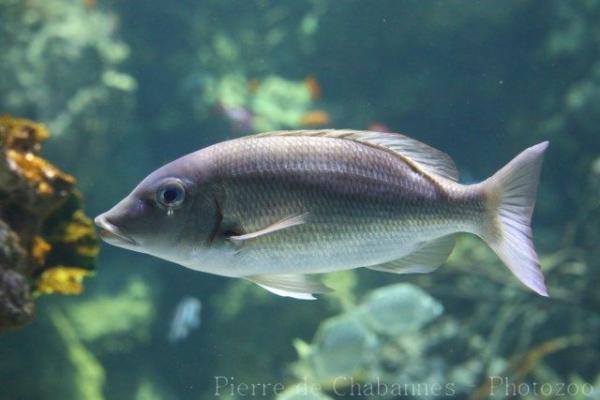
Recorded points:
171,194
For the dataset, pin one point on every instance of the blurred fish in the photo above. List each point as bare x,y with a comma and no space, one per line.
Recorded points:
315,118
185,319
313,87
397,309
343,346
240,118
275,207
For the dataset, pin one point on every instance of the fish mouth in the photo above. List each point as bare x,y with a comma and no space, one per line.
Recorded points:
111,233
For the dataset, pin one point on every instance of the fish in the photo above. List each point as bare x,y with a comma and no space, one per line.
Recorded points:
239,118
185,319
280,208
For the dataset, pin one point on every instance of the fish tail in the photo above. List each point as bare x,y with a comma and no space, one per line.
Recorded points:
509,200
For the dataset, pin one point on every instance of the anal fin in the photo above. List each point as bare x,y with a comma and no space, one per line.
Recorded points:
297,286
427,258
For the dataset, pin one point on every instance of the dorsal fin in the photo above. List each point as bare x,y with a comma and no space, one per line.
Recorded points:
424,157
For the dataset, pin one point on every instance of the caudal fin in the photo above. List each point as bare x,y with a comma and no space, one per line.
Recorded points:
510,198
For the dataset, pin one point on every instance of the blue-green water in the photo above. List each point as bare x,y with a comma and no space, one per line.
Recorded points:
127,86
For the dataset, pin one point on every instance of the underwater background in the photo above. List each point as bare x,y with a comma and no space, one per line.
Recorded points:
126,86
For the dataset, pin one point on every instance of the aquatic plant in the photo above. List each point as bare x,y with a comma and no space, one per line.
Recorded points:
88,377
388,336
241,304
251,59
270,104
148,389
64,62
123,319
302,392
280,104
47,243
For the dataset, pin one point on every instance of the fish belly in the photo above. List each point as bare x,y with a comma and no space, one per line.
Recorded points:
363,206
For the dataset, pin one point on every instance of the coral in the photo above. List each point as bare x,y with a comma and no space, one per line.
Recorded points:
40,249
37,171
63,280
71,234
42,227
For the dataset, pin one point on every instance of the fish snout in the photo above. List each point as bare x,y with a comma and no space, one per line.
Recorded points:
110,233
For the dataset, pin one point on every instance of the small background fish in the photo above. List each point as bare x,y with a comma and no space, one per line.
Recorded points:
186,318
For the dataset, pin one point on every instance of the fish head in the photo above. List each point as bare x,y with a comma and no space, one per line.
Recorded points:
170,214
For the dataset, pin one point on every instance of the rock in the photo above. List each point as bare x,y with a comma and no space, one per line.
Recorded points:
16,305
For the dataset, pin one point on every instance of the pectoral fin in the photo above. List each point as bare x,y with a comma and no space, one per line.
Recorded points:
290,285
285,223
427,258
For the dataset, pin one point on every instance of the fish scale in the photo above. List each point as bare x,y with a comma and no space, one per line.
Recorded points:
365,206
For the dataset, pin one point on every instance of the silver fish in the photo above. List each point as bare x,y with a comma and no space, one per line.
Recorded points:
185,319
276,207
